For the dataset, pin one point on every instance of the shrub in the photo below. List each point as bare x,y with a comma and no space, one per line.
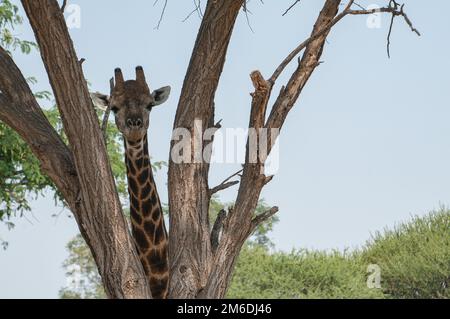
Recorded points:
414,257
300,274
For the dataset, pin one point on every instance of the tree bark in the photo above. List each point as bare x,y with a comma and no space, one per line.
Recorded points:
240,222
101,221
190,248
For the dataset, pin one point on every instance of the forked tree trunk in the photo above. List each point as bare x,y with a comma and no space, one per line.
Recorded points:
81,171
189,196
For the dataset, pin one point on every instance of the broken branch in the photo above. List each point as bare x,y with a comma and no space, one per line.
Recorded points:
290,7
225,184
261,218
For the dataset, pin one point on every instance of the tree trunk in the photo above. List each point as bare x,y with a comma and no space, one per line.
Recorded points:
101,221
189,246
241,222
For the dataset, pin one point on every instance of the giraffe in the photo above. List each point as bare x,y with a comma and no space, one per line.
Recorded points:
131,103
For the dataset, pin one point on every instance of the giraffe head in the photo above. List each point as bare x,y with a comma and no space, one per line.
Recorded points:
132,101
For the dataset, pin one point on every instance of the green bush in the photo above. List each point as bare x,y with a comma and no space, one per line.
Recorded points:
414,257
414,260
300,274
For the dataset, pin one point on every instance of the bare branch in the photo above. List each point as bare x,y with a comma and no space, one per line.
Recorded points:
392,10
388,45
260,98
190,14
246,11
63,6
225,184
261,218
268,179
162,13
395,9
347,11
290,7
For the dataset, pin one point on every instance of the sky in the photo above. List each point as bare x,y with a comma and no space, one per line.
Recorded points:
366,147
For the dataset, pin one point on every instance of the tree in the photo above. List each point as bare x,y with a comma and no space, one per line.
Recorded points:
81,168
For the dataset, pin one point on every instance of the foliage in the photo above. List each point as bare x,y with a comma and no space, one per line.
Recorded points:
414,257
9,18
414,260
81,270
299,274
14,178
20,173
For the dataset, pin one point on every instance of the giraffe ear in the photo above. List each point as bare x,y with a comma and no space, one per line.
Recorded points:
100,101
161,95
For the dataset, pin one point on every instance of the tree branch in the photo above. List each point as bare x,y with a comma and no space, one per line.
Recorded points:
63,6
326,28
225,184
290,7
261,218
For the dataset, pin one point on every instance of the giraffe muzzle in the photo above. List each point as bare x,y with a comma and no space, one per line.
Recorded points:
135,123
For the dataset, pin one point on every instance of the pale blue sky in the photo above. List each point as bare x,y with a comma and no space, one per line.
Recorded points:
367,145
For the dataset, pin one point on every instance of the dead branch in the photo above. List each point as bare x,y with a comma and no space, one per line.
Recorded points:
225,184
347,11
63,6
290,7
261,218
260,98
396,10
246,11
162,13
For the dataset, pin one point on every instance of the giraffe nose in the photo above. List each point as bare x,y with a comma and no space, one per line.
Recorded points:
134,122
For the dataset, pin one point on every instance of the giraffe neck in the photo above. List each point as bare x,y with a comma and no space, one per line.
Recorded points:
147,220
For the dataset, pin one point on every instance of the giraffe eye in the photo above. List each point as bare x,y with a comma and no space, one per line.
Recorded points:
149,107
115,109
